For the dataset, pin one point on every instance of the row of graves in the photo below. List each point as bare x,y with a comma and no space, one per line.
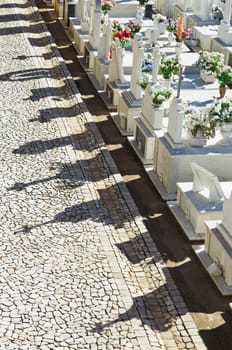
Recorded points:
172,102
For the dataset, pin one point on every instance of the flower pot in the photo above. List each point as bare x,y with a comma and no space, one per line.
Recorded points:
196,141
207,77
166,83
222,91
195,42
178,48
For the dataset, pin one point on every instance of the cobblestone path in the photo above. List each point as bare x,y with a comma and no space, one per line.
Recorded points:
68,276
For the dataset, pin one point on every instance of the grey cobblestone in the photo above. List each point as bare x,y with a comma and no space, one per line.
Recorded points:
78,268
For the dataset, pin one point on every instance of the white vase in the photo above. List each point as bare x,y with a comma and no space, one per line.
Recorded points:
196,141
171,38
226,134
166,83
179,48
207,77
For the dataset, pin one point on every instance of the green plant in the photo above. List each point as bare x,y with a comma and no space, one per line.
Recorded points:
210,61
224,75
221,111
144,81
142,2
198,123
169,66
159,96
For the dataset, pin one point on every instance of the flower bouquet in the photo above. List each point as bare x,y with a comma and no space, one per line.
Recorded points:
169,66
142,2
144,80
171,25
124,37
134,26
210,61
224,74
107,6
147,63
159,96
198,123
221,111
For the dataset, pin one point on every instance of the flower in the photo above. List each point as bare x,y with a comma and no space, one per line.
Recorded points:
107,6
221,111
171,24
198,123
147,63
224,75
116,26
159,96
210,61
123,36
169,66
180,29
142,2
144,81
134,26
187,33
217,12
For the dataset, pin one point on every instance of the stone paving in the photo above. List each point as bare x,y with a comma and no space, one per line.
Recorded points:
78,268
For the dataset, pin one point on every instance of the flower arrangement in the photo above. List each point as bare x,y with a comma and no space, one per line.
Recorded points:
180,30
224,75
124,37
142,2
210,61
107,6
171,25
198,123
169,66
116,26
147,63
221,111
159,96
144,80
134,26
188,33
217,12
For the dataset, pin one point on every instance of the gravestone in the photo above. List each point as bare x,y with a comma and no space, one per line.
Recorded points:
216,253
102,61
224,29
175,122
199,201
130,100
91,45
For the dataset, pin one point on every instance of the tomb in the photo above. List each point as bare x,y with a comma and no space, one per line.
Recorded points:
199,201
216,253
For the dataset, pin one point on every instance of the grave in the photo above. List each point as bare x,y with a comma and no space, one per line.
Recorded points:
92,44
119,74
224,29
172,162
216,253
199,201
130,101
79,26
151,122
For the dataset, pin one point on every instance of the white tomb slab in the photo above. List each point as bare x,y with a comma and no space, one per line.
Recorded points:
216,253
199,201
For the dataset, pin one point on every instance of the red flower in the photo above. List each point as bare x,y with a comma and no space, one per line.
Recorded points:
119,35
126,33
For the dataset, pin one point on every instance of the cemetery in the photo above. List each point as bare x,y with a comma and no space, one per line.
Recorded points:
163,69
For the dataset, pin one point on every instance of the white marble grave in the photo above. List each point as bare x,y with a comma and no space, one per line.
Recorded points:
79,26
92,44
225,29
199,201
130,101
119,73
174,156
216,253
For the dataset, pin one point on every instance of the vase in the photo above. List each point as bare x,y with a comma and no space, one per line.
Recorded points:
222,91
166,83
171,38
207,77
178,48
196,141
226,134
194,42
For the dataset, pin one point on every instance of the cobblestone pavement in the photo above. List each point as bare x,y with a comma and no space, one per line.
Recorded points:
67,277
